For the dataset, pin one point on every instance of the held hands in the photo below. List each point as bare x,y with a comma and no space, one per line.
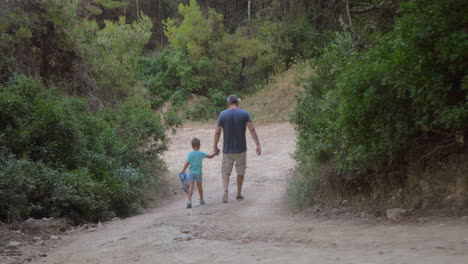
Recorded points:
216,150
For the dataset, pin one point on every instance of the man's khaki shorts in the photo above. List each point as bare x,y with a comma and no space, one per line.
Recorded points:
240,159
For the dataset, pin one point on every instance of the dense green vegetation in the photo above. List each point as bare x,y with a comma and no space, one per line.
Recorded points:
77,136
88,90
81,83
366,114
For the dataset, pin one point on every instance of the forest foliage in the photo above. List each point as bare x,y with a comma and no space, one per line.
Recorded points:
88,90
78,137
366,114
80,83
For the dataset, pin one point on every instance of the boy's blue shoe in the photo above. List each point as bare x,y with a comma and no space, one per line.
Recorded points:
184,180
189,205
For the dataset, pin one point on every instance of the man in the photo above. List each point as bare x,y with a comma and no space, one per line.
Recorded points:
233,122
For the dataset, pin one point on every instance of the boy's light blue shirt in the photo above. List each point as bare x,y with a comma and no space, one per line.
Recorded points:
195,159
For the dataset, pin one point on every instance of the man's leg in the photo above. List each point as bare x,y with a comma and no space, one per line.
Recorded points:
226,181
226,185
226,170
240,181
241,166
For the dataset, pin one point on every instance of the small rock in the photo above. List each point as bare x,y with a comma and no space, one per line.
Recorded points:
13,244
188,238
298,241
436,245
423,219
344,202
396,213
36,238
377,245
43,255
92,229
115,219
52,237
245,235
40,243
99,224
29,220
185,231
258,259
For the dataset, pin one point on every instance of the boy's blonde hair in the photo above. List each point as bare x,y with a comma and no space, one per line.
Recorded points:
195,143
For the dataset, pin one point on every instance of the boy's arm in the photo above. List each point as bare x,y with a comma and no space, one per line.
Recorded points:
185,167
212,155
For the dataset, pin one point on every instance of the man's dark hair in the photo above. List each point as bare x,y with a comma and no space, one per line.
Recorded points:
232,99
195,143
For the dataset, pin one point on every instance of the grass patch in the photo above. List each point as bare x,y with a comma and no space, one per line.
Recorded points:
275,101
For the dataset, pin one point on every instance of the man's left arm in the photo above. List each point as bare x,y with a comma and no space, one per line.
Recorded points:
254,135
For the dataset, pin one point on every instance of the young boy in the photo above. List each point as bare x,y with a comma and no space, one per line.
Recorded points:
194,159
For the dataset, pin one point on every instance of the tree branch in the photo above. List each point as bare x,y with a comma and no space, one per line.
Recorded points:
367,9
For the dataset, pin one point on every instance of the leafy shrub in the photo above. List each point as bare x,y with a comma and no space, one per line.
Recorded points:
411,82
203,60
362,112
202,109
69,161
31,189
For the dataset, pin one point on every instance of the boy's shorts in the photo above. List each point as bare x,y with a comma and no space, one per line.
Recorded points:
240,159
194,177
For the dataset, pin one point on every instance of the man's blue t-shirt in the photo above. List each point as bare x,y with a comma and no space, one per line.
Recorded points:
234,122
195,159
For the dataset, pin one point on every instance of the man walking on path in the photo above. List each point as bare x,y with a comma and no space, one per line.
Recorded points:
233,122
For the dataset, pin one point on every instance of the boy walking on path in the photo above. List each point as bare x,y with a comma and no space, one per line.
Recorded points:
194,160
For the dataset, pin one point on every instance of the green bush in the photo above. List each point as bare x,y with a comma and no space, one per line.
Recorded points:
362,112
204,60
202,109
70,162
411,82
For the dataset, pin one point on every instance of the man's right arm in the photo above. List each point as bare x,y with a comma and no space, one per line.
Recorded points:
254,135
216,139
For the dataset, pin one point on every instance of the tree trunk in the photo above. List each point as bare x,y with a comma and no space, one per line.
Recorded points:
161,31
137,10
248,10
350,21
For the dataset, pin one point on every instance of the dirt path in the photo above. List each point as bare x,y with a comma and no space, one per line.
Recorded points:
259,229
